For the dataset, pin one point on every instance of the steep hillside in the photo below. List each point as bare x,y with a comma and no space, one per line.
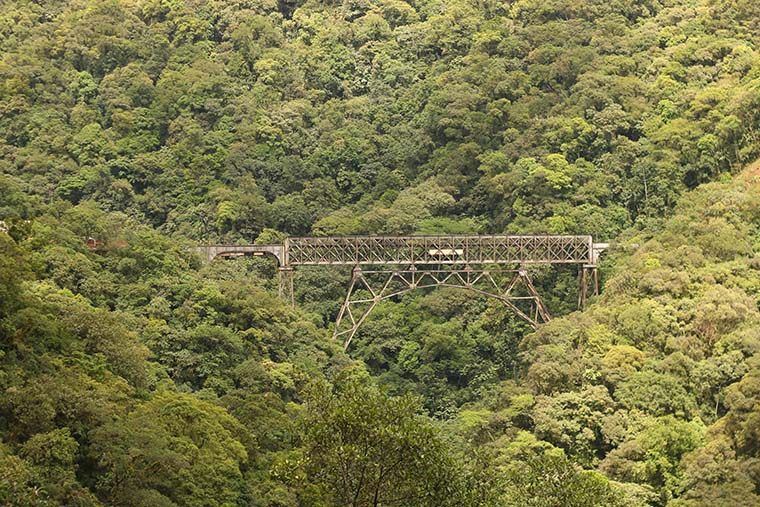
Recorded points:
656,383
215,120
202,388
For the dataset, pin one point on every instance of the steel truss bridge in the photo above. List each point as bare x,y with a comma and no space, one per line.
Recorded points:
388,266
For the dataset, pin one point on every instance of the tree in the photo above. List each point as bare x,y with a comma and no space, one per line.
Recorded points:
18,485
656,393
573,420
171,450
11,268
52,457
368,449
551,480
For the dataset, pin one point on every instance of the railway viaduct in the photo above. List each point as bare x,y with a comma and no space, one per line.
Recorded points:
388,266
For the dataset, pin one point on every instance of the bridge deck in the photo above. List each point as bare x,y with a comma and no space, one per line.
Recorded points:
421,250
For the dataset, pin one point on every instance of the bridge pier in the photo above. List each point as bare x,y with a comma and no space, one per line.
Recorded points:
285,285
588,278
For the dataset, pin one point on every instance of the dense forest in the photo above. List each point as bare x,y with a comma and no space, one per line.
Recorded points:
134,374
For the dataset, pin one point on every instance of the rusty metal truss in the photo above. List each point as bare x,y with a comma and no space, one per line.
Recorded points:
400,264
513,287
414,250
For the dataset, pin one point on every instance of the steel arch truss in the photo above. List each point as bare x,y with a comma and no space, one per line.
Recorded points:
513,287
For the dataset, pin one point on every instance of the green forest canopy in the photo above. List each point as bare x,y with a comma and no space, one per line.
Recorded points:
135,375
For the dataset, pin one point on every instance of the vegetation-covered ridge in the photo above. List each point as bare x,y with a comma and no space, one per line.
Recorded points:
132,374
203,388
216,119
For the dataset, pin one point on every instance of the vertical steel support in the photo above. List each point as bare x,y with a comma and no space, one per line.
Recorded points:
357,306
582,288
285,285
345,308
588,277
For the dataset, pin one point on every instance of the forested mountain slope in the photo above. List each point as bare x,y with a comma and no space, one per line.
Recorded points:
216,119
133,374
654,383
202,388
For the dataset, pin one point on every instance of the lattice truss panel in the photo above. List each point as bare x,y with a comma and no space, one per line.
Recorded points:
416,250
512,287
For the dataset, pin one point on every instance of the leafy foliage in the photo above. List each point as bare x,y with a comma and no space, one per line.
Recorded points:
133,374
